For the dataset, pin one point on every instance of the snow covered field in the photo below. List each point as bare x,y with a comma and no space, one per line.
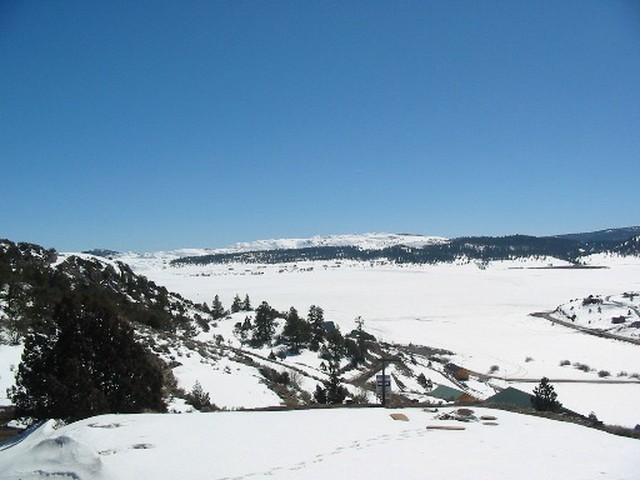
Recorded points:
481,314
320,444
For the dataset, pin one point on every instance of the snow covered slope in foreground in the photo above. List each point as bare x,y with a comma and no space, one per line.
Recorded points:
320,444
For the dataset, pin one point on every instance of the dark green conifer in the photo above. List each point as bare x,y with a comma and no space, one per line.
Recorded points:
545,398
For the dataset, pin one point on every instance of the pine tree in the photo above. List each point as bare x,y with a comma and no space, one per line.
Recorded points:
199,399
17,319
246,304
545,398
84,361
316,324
320,395
242,329
361,351
296,331
236,306
333,352
217,309
336,393
263,325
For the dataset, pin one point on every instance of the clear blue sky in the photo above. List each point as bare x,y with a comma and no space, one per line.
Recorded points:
147,125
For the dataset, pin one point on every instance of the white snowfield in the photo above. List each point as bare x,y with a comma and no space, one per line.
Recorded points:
355,444
481,313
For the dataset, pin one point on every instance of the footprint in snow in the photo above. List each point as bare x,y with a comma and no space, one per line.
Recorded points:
106,425
142,446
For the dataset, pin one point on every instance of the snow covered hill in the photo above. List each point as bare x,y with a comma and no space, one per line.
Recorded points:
568,250
614,314
367,241
473,314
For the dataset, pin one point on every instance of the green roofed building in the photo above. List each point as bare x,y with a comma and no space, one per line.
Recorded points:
512,397
446,393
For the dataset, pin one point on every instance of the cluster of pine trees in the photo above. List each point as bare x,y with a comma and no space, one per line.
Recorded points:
312,333
83,360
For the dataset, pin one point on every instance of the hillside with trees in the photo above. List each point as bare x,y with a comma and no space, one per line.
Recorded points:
484,249
78,318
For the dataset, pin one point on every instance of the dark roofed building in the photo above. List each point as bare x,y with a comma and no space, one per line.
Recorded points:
446,393
512,397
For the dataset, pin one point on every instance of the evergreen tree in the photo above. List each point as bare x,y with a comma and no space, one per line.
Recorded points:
320,395
264,326
217,309
242,329
316,326
334,350
336,393
360,352
236,306
332,393
199,399
16,319
84,361
296,331
246,325
246,304
545,398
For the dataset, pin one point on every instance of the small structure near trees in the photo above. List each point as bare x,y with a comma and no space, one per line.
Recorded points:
511,397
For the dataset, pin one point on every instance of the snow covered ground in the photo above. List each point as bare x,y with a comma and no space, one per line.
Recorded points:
482,313
320,444
614,314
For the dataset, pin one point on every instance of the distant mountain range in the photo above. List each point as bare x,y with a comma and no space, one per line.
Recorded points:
407,248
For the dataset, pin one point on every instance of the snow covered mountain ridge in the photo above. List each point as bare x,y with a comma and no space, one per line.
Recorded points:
599,240
367,241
